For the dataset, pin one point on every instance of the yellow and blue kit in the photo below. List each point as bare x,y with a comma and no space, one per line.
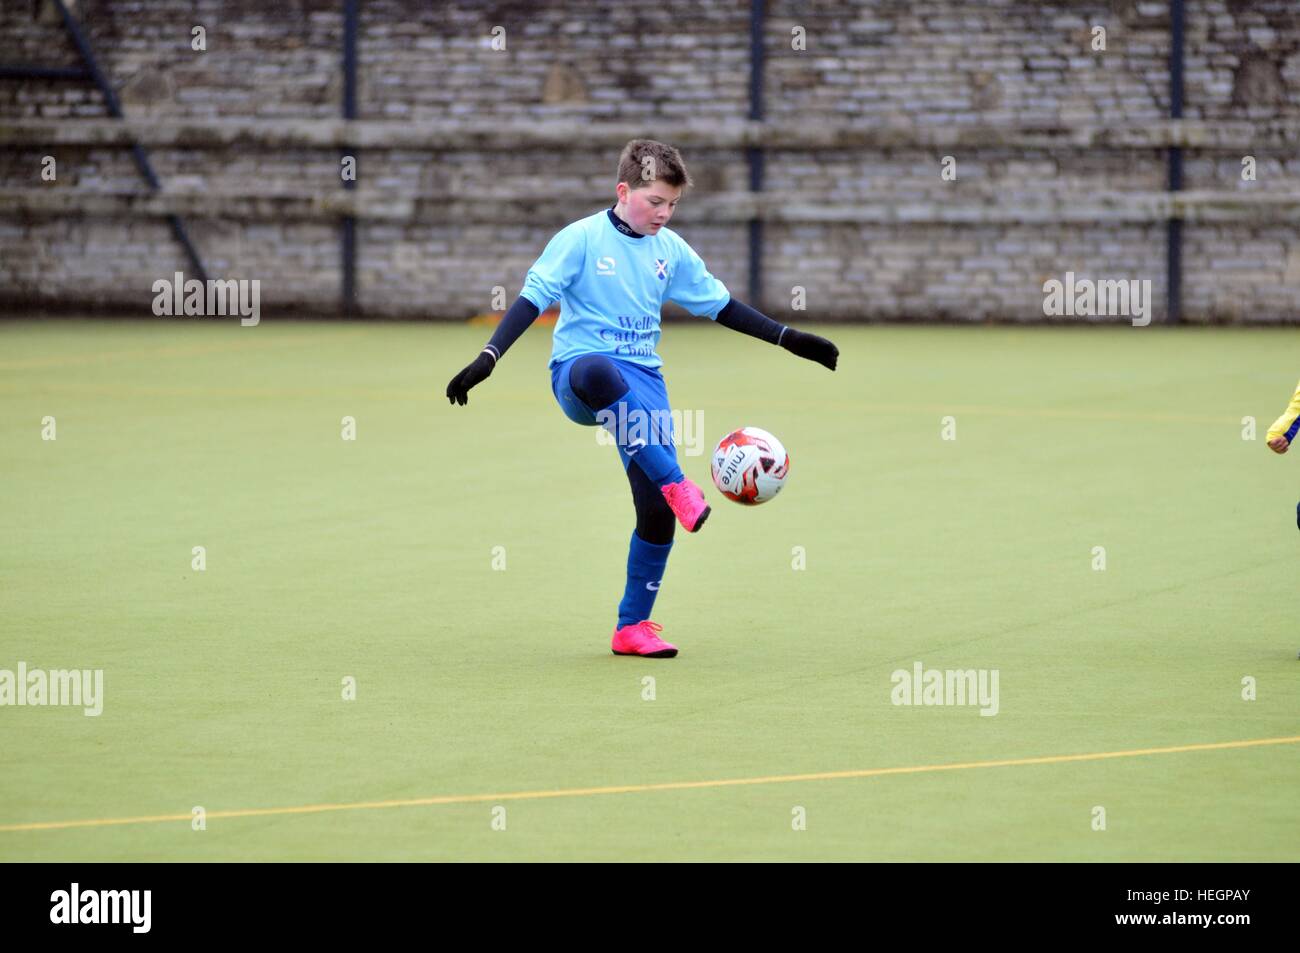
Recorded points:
1289,423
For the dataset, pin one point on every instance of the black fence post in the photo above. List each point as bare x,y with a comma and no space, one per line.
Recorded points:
1174,225
349,247
754,153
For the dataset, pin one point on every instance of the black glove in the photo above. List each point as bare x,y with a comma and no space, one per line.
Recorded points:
476,373
810,346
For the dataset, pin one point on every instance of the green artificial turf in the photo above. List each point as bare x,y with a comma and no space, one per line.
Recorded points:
373,559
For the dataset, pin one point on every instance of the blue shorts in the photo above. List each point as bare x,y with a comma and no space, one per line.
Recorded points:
646,384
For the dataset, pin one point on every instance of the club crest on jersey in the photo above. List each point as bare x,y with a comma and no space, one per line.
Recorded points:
661,268
604,266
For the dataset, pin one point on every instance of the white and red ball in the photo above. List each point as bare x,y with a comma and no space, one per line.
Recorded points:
750,466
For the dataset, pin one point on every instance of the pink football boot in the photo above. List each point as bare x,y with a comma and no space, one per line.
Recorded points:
687,503
642,639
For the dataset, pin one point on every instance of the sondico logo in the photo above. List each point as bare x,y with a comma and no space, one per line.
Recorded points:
604,266
102,906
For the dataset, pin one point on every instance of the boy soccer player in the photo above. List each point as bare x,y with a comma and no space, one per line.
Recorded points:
1284,430
611,272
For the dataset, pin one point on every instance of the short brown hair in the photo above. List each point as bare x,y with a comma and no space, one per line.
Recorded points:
645,161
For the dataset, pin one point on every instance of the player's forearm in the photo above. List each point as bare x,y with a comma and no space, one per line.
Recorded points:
517,320
741,317
1288,424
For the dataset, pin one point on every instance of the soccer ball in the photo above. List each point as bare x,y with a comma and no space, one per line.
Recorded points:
750,466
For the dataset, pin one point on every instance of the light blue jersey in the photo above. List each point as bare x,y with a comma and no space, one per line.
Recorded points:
611,287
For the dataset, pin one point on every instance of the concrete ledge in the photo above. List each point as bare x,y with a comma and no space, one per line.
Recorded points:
973,205
495,135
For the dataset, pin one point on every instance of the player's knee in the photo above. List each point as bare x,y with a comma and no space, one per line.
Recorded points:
596,381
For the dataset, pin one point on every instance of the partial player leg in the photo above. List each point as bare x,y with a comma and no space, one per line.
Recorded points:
639,427
599,384
647,558
652,541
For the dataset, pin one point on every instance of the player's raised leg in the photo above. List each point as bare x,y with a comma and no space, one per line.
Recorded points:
638,419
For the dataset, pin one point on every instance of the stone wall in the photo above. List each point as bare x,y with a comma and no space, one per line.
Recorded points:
930,65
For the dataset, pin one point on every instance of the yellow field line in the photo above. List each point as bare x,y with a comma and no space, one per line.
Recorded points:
642,788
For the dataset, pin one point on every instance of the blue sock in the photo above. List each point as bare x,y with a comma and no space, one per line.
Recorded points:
647,445
645,570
